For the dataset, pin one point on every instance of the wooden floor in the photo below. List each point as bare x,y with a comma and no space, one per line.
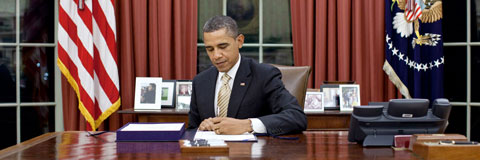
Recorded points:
310,145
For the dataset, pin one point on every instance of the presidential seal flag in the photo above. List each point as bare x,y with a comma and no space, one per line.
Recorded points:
414,47
87,56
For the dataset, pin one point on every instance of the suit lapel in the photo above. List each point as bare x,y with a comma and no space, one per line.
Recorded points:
210,90
240,86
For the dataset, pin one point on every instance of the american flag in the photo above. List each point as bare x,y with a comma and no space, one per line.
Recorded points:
413,9
87,56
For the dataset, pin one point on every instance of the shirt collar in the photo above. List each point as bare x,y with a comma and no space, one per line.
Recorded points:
233,71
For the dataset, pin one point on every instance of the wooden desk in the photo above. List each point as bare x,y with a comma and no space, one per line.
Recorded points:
310,145
328,120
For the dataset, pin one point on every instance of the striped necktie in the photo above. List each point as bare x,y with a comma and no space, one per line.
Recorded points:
224,96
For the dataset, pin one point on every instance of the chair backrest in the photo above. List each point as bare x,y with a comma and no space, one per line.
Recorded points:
295,79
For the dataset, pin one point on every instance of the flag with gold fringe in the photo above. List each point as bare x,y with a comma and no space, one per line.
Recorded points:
87,56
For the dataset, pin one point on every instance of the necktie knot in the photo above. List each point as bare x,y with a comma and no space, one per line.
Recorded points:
226,78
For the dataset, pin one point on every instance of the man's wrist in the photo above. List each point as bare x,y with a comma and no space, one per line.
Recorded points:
249,126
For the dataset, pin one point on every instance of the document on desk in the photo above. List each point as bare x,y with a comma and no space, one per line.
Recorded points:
151,132
154,127
210,135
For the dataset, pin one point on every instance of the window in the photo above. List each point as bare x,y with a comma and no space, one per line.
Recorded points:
461,32
267,29
29,77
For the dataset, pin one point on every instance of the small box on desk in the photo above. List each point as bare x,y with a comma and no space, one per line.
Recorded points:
436,150
435,138
150,132
402,142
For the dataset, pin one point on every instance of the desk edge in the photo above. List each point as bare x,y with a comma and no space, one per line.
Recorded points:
27,144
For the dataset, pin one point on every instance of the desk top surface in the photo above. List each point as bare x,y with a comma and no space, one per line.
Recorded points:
310,145
185,112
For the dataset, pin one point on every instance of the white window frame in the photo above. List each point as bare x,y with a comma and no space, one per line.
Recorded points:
260,43
469,104
57,80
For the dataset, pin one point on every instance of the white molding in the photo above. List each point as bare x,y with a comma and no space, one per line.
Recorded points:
258,45
469,71
58,81
260,31
17,69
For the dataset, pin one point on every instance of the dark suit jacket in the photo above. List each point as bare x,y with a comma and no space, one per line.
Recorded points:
262,95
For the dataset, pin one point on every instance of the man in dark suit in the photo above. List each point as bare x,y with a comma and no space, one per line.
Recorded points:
239,95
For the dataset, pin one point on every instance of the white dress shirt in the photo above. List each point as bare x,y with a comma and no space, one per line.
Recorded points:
257,124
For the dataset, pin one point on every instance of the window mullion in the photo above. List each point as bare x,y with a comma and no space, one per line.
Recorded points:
469,111
58,81
224,8
260,32
17,68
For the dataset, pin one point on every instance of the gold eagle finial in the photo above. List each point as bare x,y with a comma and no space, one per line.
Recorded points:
432,12
401,4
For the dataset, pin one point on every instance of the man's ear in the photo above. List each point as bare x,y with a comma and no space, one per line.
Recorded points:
240,39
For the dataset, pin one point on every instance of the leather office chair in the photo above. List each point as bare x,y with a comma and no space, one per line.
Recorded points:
295,79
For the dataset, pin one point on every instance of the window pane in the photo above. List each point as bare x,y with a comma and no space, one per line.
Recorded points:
8,136
278,55
455,76
276,22
203,61
37,21
454,22
457,121
37,74
206,10
246,13
475,9
475,124
36,121
250,52
7,74
7,21
475,76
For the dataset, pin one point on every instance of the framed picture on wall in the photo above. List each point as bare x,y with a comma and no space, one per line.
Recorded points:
331,94
350,96
183,92
313,102
148,93
168,93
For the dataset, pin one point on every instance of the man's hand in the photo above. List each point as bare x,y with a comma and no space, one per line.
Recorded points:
227,125
207,125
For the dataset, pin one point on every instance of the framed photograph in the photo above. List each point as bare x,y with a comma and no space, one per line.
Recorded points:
313,102
331,94
184,92
168,94
148,93
350,96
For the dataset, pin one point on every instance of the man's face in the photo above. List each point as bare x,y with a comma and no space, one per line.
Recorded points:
222,48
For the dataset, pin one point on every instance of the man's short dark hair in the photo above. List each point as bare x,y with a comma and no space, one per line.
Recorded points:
219,22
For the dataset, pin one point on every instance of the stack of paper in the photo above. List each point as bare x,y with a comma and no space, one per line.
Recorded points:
151,132
211,135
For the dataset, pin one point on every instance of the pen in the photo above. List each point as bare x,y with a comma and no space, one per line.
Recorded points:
459,142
